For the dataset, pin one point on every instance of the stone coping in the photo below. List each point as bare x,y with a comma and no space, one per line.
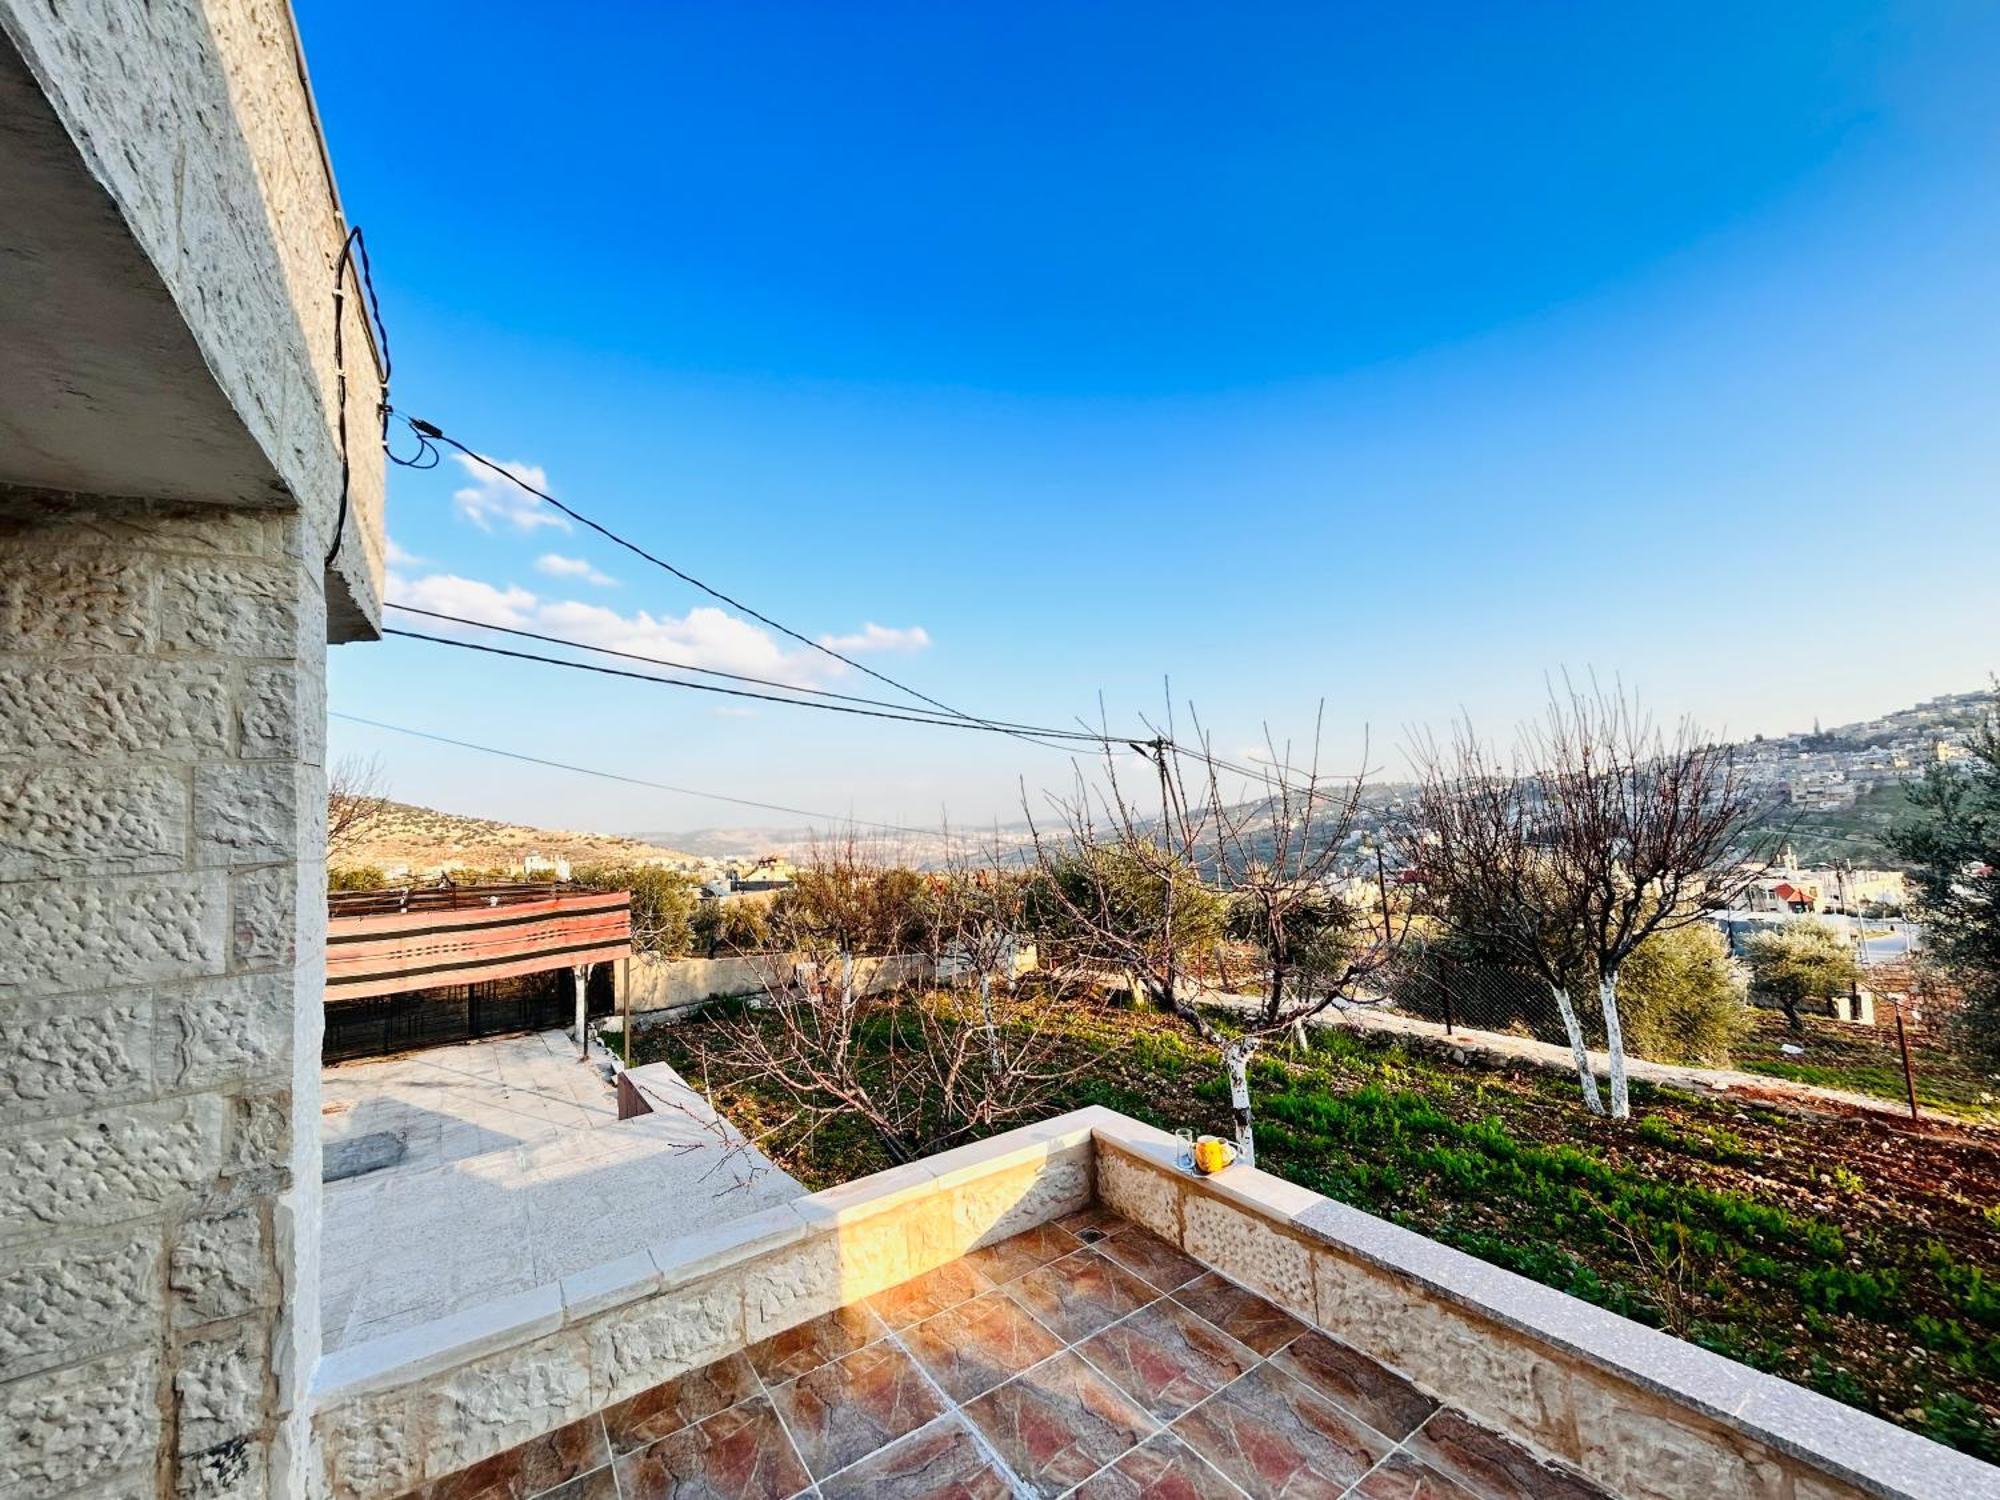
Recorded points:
1647,1414
1830,1439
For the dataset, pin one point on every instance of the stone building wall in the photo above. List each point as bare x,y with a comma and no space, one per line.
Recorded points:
162,812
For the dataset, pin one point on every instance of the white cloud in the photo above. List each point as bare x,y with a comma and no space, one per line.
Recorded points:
398,558
491,498
873,637
705,636
557,566
468,598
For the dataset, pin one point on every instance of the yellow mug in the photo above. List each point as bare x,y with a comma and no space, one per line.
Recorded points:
1212,1154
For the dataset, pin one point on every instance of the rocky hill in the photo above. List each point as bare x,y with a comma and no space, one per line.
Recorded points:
424,840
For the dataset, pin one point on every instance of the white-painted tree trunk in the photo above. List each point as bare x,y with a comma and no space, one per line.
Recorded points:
1236,1059
986,1019
1586,1079
581,974
1614,1044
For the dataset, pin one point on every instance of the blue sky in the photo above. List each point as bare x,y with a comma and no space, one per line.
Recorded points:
1387,356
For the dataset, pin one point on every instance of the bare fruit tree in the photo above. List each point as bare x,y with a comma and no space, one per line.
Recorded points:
924,1069
1240,868
356,798
1603,832
974,922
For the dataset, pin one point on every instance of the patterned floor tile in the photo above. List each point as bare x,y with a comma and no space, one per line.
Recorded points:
1161,1468
1145,1254
928,1295
1493,1465
844,1411
814,1343
738,1454
1096,1219
1402,1477
1279,1440
1058,1423
1240,1313
1351,1380
535,1466
976,1345
938,1462
598,1484
1081,1293
1017,1256
1166,1358
686,1399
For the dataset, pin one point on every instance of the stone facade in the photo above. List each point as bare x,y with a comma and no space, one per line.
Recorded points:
161,935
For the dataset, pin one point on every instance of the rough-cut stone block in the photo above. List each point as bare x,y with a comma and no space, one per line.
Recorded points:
61,1057
229,608
651,1341
790,1286
219,1387
59,1303
1644,1450
1143,1194
263,918
92,819
101,1168
103,708
246,814
1250,1250
371,1446
998,1205
233,1471
219,1269
68,1427
225,1030
64,600
506,1399
275,709
59,936
259,1132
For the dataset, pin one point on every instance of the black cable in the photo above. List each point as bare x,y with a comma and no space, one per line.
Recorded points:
660,786
354,251
682,666
425,429
912,717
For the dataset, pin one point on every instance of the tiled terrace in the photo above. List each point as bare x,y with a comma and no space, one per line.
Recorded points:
1086,1357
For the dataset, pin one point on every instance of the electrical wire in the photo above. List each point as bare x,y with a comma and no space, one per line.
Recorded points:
354,252
430,430
682,666
910,717
658,786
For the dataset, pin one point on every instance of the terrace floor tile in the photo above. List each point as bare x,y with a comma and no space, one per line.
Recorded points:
1354,1382
533,1467
1161,1468
1010,1258
1146,1255
677,1403
1240,1313
1081,1293
1278,1439
1401,1476
928,1295
845,1410
738,1454
973,1347
1166,1358
938,1462
1059,1423
784,1356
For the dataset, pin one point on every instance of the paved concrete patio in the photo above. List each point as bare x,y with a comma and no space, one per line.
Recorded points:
515,1171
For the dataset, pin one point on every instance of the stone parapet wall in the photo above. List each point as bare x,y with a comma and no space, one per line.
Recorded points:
162,802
